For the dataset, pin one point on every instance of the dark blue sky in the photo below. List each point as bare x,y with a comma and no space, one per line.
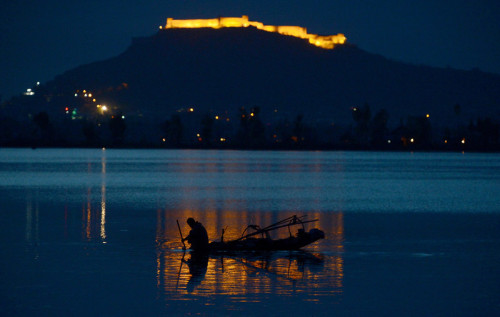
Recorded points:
41,39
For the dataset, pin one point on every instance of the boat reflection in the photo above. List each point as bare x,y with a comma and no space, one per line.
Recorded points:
197,264
246,276
242,276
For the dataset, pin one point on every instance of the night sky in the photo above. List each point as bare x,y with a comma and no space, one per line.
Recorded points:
41,39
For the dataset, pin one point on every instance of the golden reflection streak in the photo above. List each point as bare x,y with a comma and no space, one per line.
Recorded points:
103,197
32,220
89,215
243,276
240,277
94,219
29,219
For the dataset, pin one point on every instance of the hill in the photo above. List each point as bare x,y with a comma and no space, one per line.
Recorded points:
227,68
216,72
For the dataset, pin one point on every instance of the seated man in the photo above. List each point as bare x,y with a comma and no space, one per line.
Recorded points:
198,237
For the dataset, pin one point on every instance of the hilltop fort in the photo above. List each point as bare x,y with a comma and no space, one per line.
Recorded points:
323,41
234,83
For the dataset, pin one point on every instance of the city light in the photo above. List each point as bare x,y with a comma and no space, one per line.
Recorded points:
29,92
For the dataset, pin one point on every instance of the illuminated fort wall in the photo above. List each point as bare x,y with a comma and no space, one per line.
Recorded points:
327,41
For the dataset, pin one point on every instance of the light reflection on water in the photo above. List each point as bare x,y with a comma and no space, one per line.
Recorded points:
32,235
115,212
248,277
95,224
243,278
253,181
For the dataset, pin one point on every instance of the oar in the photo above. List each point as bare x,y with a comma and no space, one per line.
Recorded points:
182,239
180,268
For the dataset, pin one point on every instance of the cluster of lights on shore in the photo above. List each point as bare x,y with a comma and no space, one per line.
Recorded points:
29,91
198,135
101,108
413,140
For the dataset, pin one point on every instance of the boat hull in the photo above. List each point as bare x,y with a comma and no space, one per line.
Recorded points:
265,244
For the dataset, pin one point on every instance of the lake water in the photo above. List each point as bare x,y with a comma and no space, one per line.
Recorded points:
88,231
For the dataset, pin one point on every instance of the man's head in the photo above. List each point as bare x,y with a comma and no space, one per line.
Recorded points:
191,222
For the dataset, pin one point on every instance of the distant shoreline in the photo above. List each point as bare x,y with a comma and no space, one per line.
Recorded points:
269,148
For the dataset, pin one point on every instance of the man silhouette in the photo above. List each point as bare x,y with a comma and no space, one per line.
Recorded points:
198,237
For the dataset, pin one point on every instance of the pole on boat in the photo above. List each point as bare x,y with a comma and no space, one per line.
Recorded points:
182,239
293,220
180,268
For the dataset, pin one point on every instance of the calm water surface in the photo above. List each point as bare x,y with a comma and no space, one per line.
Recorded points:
94,232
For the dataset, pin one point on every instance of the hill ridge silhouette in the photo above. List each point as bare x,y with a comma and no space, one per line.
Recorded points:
291,85
227,68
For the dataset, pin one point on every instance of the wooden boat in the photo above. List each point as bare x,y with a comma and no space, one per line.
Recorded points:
249,241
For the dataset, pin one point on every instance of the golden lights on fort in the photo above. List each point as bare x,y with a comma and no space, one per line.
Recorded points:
323,41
